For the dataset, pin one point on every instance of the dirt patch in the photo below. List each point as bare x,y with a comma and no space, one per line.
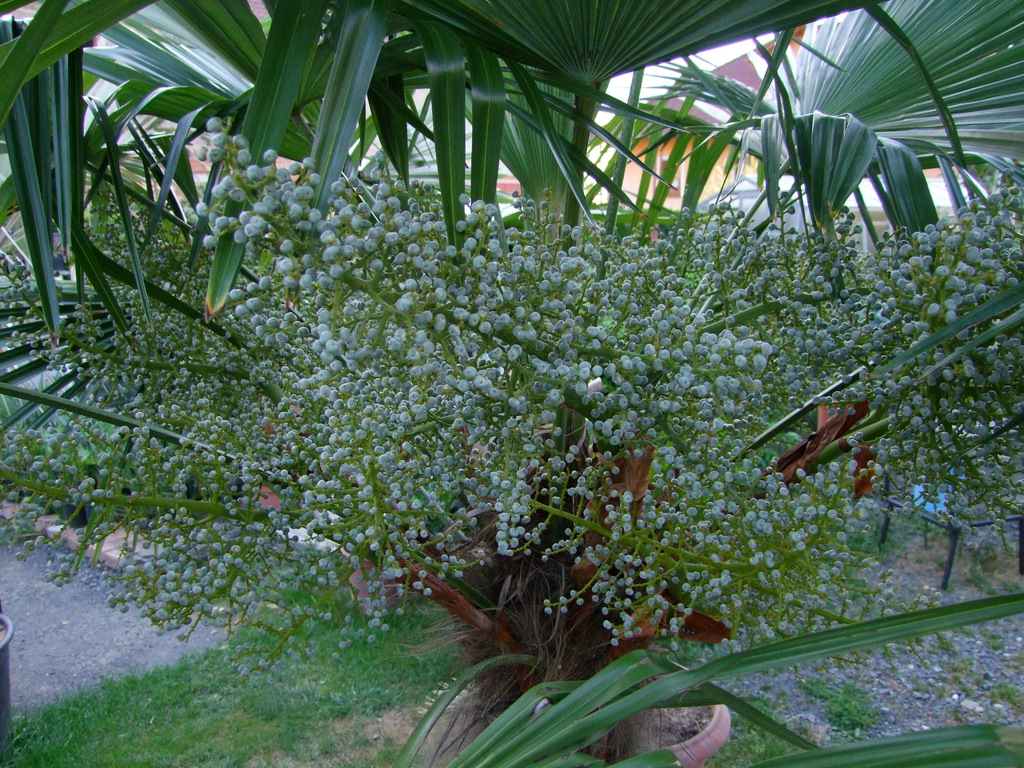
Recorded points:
362,738
674,726
395,725
666,728
278,759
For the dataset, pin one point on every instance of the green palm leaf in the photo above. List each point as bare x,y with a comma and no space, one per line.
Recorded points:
835,153
27,132
72,29
970,50
121,196
487,91
24,50
355,57
391,115
926,78
906,196
143,54
525,149
171,161
593,40
988,746
553,138
578,714
80,409
446,67
228,28
295,31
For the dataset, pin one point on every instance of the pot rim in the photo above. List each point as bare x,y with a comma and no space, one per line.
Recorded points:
694,751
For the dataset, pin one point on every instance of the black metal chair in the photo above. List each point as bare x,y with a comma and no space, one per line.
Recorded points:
928,511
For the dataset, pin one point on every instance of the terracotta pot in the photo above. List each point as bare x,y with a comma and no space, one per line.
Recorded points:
693,752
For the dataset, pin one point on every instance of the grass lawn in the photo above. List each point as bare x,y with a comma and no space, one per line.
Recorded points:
352,712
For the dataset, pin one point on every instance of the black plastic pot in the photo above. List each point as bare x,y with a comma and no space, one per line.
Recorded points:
6,632
76,516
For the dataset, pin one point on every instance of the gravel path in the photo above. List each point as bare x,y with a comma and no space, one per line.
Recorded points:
964,677
68,637
972,676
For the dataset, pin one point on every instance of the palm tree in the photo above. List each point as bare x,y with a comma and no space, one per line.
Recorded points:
325,80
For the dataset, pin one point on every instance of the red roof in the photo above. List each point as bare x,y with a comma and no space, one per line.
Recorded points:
257,7
742,71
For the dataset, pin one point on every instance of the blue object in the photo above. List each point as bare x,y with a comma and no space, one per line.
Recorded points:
935,505
935,511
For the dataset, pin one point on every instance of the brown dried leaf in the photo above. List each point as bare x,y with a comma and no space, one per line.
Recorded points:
806,452
701,628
